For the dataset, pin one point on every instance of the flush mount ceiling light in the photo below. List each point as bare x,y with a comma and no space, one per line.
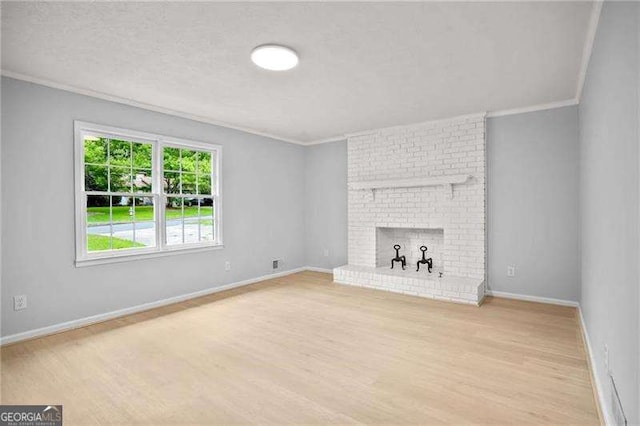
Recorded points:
274,57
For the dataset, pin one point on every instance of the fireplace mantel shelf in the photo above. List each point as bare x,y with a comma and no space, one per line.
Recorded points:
410,183
445,181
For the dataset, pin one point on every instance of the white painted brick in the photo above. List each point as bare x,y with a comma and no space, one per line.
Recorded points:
446,147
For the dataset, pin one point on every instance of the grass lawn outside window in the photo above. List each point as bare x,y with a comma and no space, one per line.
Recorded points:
124,214
101,242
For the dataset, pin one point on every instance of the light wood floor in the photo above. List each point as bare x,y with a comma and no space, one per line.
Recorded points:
302,350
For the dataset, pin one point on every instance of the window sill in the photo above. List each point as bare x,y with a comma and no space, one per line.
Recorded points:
130,257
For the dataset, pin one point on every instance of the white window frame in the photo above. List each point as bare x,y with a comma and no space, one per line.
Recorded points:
158,142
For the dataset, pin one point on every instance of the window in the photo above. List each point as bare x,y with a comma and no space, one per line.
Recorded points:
143,195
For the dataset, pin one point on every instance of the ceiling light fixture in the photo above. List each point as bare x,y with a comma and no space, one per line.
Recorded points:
274,57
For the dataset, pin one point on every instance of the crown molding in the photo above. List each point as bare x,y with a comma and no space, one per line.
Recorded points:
489,114
588,46
142,105
533,108
327,140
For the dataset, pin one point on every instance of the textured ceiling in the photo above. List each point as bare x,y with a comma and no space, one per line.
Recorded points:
363,65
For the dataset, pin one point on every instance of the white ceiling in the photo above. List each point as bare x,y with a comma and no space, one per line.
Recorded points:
363,65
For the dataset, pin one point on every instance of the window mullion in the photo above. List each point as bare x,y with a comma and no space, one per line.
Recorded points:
133,197
110,223
182,215
84,232
214,217
160,198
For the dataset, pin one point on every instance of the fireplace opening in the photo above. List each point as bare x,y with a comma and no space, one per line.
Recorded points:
410,241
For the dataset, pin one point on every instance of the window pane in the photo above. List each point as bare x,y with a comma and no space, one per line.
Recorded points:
191,230
95,150
144,221
206,207
98,209
204,163
188,183
188,161
206,231
98,223
122,212
142,156
120,153
173,220
123,236
98,242
191,219
96,178
146,233
121,209
191,207
171,158
143,209
171,182
142,180
204,184
120,179
206,219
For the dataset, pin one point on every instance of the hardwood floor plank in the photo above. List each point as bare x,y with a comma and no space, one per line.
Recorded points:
303,350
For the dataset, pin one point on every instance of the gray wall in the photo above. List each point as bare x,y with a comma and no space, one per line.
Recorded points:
326,204
532,167
263,184
609,196
532,203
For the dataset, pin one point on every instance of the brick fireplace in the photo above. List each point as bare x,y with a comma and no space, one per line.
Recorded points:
416,185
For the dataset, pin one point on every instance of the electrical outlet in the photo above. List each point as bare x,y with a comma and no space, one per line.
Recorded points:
326,252
511,271
227,266
276,264
20,302
606,358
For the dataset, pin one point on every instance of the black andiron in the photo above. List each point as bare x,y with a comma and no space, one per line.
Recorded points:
398,258
424,260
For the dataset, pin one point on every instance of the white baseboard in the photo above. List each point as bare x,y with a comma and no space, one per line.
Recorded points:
315,269
599,389
528,298
83,322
